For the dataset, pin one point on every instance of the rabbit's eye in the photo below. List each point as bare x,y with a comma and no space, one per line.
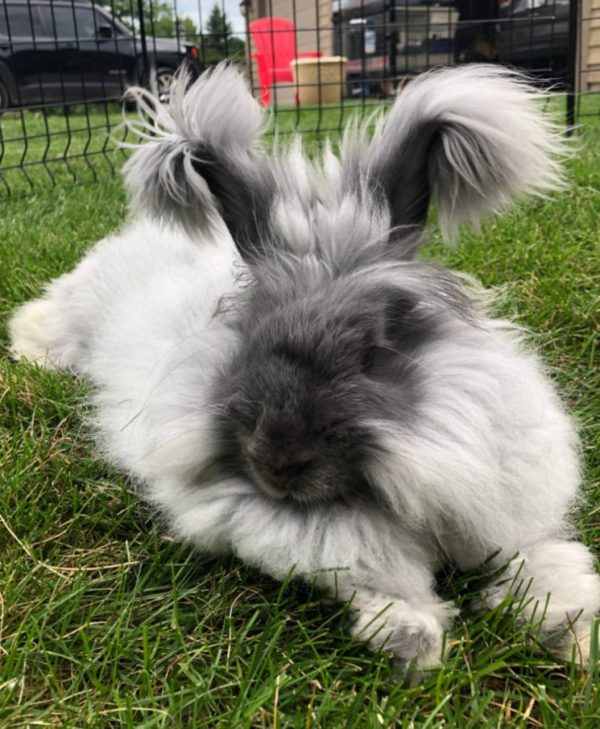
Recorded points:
368,359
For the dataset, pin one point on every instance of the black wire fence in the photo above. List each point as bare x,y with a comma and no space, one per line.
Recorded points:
66,65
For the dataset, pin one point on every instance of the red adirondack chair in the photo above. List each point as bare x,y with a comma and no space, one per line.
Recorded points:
275,41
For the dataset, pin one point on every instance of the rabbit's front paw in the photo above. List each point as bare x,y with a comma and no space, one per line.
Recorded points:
414,633
554,586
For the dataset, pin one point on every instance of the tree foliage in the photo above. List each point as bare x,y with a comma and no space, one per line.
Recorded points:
218,40
160,19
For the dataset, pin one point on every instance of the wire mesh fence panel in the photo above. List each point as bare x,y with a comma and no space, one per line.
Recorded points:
64,68
65,65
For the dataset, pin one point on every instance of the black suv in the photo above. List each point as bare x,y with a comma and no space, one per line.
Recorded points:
529,34
70,50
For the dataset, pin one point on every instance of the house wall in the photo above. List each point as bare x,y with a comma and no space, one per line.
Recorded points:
590,46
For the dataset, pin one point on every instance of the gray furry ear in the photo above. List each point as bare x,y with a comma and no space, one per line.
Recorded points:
472,137
198,160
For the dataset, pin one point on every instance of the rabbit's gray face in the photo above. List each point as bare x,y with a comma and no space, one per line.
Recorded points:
300,436
311,375
336,312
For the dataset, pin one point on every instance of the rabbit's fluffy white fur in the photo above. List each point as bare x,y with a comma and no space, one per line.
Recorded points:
484,467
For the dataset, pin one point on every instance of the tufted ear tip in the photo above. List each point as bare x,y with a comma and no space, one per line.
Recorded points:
196,160
473,137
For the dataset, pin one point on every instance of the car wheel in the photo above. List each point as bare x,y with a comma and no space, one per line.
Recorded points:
163,80
3,97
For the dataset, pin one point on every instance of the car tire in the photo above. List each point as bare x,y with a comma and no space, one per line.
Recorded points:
4,98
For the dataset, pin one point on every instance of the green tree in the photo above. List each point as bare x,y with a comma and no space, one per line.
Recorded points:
159,18
218,41
188,30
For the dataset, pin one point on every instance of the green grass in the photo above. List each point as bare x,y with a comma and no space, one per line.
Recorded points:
105,622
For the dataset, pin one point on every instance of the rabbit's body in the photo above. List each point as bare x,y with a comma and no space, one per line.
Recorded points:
330,408
129,318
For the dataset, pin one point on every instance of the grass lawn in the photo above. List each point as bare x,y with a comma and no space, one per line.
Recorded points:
105,622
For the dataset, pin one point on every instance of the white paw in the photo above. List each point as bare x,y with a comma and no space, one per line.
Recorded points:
414,635
577,643
564,631
29,333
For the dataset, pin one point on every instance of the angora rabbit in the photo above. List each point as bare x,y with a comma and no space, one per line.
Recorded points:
290,384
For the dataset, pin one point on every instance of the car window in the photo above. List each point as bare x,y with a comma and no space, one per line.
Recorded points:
72,23
60,22
86,23
522,6
20,19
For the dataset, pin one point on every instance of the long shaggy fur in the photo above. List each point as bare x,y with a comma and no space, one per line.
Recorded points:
302,393
198,131
473,137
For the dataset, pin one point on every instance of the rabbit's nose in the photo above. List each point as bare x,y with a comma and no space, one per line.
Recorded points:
280,469
283,469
